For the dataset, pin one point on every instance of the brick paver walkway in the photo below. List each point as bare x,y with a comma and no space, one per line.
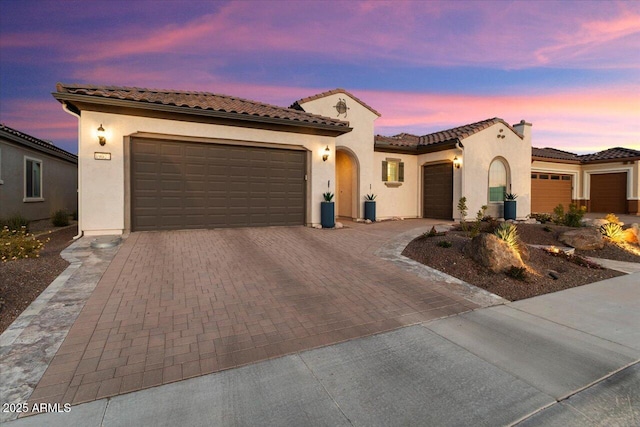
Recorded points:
174,305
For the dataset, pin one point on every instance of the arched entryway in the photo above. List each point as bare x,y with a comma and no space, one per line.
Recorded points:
347,188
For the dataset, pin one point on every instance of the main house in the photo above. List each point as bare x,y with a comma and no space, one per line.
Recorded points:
157,160
36,177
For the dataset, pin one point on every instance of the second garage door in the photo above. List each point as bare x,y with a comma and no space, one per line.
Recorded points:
609,192
181,185
550,190
438,191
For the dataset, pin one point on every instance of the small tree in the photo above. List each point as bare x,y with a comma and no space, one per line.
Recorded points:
462,208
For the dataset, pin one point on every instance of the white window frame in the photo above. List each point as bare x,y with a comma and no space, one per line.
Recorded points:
39,198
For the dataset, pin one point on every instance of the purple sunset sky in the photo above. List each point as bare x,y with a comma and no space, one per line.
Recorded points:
572,68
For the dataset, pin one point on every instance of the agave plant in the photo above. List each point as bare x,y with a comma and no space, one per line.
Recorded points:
509,233
612,231
328,196
370,197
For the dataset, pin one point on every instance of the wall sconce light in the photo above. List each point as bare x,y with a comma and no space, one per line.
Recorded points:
101,138
325,156
457,162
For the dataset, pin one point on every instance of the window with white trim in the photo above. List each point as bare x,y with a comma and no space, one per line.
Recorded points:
32,179
497,181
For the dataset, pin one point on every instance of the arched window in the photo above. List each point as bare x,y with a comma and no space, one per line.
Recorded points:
497,180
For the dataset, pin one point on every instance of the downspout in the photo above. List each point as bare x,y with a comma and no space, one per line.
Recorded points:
80,232
460,147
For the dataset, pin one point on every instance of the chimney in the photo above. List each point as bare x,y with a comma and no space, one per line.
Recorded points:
524,129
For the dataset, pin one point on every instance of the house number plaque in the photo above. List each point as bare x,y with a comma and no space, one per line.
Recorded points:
102,156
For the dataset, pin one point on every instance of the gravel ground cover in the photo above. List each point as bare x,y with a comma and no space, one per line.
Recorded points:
21,281
538,281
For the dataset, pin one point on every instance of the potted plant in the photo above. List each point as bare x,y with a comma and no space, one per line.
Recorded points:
327,211
510,205
370,207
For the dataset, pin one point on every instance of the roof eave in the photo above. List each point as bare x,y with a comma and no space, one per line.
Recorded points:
43,149
71,99
552,160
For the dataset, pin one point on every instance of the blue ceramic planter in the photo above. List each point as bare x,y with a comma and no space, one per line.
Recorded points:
327,215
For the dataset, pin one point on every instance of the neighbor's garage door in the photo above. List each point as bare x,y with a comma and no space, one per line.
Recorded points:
550,190
438,191
178,185
609,192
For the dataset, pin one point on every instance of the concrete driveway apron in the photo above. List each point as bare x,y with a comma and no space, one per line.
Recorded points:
179,304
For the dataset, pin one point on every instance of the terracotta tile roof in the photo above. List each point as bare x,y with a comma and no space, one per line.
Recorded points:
443,138
461,132
200,101
298,104
616,153
36,143
553,153
612,154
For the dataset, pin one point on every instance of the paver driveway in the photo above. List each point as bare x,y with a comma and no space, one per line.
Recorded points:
174,305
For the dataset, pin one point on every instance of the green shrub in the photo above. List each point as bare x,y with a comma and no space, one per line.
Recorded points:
613,231
475,228
15,222
445,244
518,273
18,244
509,233
572,218
558,214
60,218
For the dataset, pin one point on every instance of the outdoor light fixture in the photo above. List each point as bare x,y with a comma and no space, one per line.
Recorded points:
325,156
457,162
101,138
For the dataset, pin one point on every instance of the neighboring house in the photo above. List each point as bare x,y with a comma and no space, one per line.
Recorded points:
36,177
176,160
607,181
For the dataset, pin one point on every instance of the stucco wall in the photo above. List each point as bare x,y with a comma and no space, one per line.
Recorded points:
59,184
358,142
480,150
392,200
102,192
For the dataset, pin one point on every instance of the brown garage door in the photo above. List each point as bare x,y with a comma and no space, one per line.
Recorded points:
609,192
438,191
179,185
550,190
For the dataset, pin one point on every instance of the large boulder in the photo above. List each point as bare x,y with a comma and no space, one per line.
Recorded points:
493,253
586,238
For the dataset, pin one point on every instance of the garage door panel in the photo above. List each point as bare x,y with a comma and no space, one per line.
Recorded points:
191,185
609,192
549,190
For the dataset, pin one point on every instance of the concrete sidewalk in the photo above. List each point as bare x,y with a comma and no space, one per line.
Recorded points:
568,358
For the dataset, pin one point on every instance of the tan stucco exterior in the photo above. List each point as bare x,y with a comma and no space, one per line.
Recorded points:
102,207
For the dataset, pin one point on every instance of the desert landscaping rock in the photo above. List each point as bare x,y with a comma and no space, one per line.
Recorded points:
493,253
583,238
